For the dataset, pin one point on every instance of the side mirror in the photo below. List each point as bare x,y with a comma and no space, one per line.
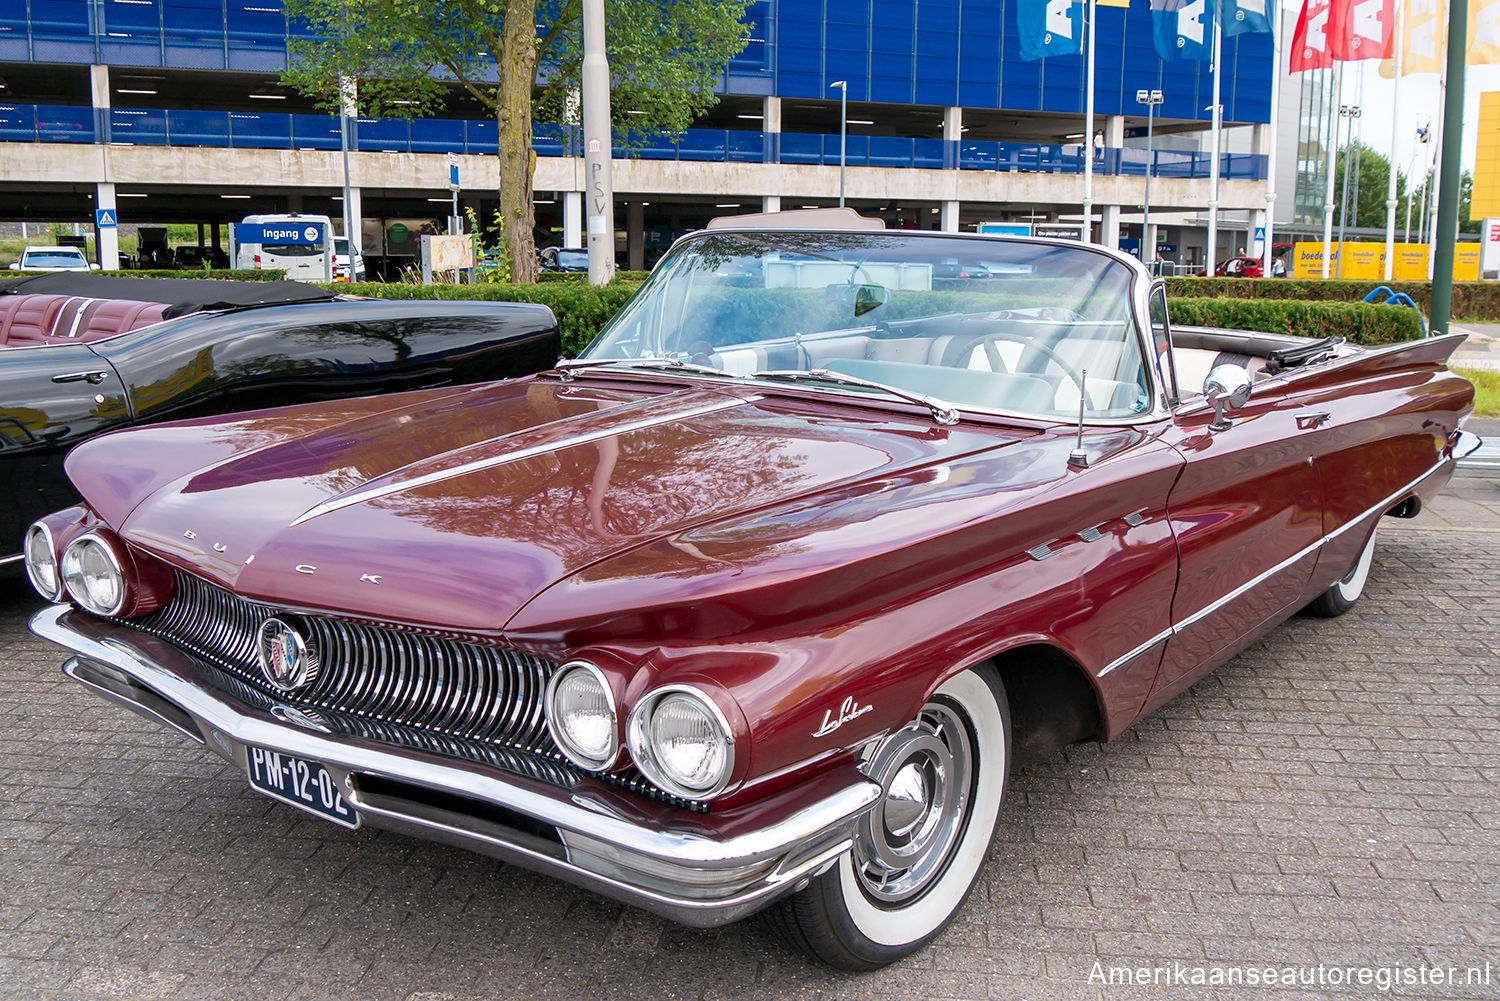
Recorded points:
1226,386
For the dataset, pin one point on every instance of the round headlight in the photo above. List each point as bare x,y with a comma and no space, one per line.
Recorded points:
581,715
681,741
41,563
91,571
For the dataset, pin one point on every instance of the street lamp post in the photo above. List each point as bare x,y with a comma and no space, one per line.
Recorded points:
843,86
1351,112
1150,98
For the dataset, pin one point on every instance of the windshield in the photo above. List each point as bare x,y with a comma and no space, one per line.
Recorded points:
54,259
984,324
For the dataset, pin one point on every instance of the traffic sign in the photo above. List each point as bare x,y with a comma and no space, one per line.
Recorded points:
281,233
106,219
453,171
1260,233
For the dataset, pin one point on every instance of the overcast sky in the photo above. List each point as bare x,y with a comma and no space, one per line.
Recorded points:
1420,103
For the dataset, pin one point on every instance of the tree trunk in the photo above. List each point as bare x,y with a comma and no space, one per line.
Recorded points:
517,69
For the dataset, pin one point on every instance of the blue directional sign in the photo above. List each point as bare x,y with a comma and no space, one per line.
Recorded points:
106,219
279,233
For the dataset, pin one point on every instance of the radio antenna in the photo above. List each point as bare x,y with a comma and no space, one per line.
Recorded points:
1078,458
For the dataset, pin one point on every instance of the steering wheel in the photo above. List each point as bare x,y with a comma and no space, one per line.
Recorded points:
987,341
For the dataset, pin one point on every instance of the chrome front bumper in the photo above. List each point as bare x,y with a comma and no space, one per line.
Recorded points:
697,871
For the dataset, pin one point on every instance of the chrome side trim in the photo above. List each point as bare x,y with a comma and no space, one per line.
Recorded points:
5,560
1262,577
1165,634
359,495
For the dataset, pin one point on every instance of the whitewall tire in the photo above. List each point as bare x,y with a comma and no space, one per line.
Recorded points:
1341,597
920,851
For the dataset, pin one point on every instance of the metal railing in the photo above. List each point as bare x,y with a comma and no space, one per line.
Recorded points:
277,130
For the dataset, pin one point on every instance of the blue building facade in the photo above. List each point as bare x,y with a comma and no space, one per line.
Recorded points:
938,53
932,85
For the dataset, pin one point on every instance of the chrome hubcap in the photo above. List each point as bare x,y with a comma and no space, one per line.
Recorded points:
925,770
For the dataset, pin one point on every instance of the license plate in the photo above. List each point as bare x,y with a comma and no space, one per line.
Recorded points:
300,782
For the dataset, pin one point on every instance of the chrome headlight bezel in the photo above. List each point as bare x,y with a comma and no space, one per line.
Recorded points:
38,530
113,562
639,737
560,735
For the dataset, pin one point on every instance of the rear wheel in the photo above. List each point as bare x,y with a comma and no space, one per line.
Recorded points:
919,851
1341,597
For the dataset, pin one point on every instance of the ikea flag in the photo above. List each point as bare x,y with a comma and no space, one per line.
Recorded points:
1183,29
1245,16
1049,27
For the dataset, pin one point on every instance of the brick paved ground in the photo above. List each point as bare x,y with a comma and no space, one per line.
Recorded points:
1328,797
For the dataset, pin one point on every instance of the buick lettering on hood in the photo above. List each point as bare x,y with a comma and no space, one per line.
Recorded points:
750,607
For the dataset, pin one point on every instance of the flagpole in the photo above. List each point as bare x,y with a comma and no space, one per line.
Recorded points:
1445,231
1271,145
1433,190
1218,122
1333,125
1088,132
1390,187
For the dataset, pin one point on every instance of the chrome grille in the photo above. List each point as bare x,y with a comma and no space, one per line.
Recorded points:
408,680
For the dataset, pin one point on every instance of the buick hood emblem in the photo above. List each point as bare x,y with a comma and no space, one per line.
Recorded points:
285,659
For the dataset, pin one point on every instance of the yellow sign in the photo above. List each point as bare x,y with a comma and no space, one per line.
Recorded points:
1485,199
1466,262
1366,261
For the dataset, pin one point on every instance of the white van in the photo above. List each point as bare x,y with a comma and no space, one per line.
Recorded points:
301,245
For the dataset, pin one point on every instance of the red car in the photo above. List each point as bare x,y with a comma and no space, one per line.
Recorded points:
753,605
1241,267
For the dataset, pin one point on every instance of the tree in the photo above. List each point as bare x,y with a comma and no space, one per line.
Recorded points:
1369,175
518,58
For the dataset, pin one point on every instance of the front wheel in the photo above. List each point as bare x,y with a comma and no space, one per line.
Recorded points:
1341,597
918,853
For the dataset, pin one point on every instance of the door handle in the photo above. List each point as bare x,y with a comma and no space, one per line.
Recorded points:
92,378
1307,422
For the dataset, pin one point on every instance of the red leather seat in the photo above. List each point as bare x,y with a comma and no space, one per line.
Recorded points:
33,319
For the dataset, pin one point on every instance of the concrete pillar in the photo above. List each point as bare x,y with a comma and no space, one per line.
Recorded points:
1114,130
635,235
953,130
99,98
99,86
770,114
770,125
356,216
1109,226
573,219
108,236
770,203
948,217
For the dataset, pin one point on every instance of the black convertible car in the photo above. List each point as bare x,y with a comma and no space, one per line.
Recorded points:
84,354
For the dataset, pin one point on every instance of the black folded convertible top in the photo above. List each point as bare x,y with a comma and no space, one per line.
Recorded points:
182,295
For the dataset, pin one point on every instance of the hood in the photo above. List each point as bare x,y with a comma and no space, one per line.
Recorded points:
454,508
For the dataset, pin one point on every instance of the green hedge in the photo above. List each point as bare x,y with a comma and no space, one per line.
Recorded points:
1361,323
581,309
1471,300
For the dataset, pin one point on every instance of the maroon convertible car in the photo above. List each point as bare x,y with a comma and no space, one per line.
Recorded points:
751,606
